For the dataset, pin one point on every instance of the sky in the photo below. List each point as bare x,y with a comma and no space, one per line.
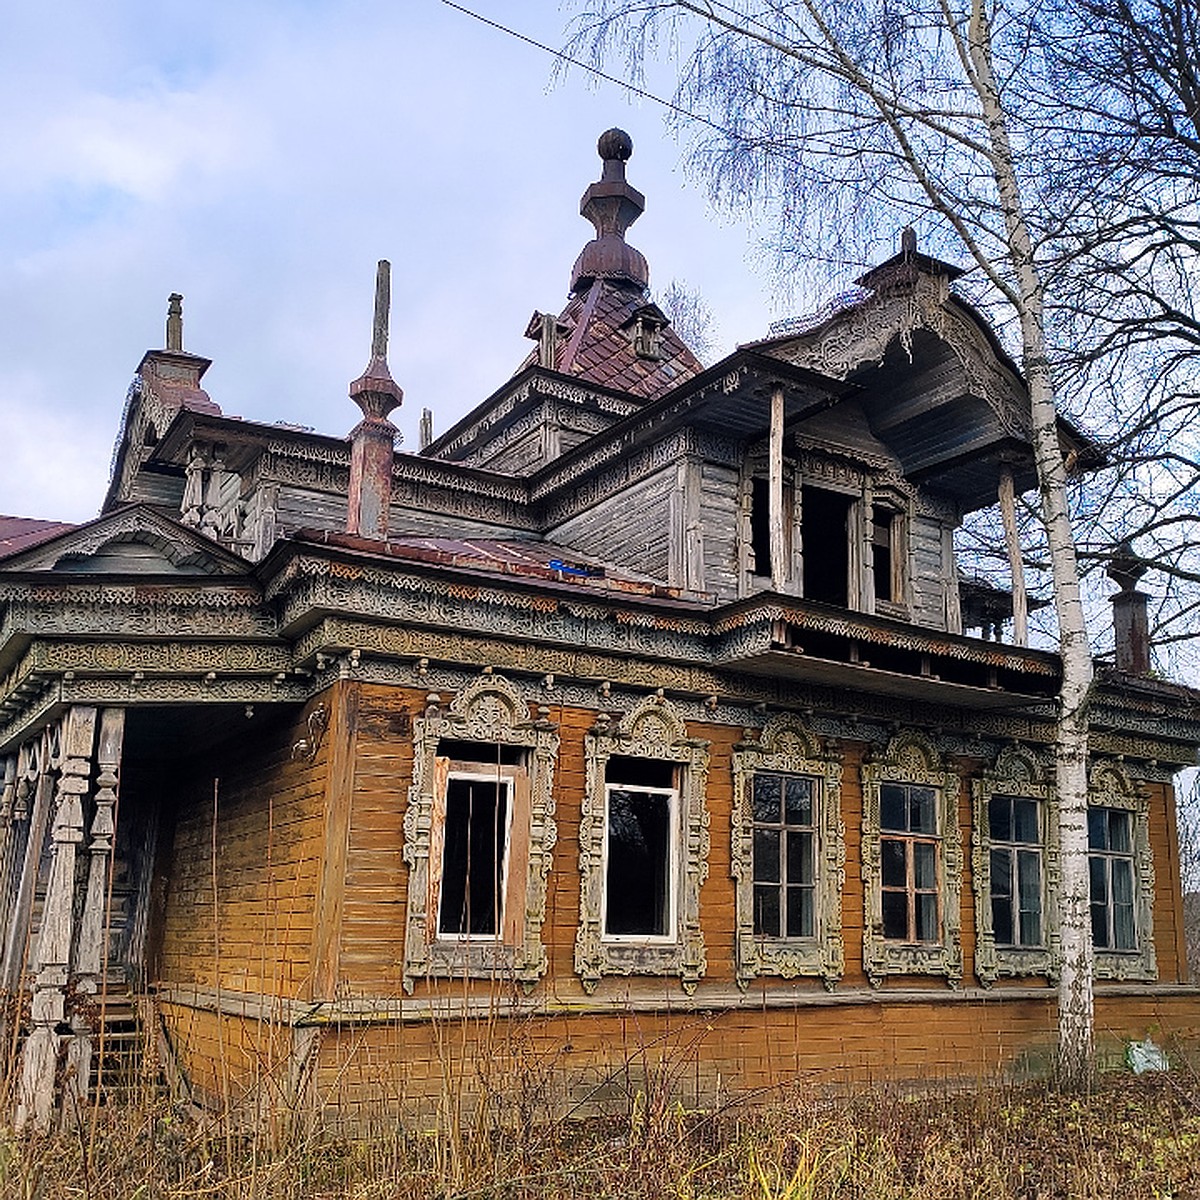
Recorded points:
260,158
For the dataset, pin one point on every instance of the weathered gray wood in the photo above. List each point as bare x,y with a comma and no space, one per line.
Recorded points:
779,562
719,517
41,789
1012,543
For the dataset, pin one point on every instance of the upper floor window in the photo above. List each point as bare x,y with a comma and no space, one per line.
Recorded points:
643,848
827,531
788,854
912,863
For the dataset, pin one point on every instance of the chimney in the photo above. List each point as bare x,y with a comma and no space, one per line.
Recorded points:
1131,628
373,439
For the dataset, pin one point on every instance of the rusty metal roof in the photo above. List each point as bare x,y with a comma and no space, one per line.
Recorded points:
20,533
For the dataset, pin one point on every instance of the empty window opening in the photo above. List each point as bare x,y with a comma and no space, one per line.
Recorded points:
784,855
825,532
1110,865
760,526
883,555
474,854
641,806
909,849
1014,829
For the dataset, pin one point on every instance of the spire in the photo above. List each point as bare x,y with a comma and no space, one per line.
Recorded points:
372,440
612,206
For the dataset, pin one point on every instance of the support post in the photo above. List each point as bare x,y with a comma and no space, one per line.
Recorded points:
53,957
1012,543
90,945
779,563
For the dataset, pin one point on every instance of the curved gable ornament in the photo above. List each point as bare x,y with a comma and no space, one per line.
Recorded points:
654,730
787,746
490,710
912,759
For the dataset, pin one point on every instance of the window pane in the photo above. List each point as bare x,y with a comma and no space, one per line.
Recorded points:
1124,937
474,837
1025,822
1098,875
1100,926
1002,922
1119,822
799,857
1097,829
767,789
892,805
1000,819
799,912
1002,873
798,806
766,856
923,810
1122,881
1029,875
895,870
927,930
924,865
638,881
1031,928
895,916
766,911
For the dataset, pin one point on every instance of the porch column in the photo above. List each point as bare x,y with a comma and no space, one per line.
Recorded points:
1012,543
53,957
779,564
90,948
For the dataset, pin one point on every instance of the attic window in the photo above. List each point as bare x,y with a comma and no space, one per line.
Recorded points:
645,332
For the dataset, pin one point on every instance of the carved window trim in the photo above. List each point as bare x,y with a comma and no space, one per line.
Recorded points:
1110,786
911,759
786,746
655,730
1017,772
489,710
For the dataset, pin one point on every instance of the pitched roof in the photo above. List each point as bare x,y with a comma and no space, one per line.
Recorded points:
598,346
20,533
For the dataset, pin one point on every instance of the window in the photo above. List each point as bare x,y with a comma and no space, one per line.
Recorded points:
912,863
1015,856
478,831
1110,868
1121,871
760,526
887,555
643,848
909,848
826,527
788,855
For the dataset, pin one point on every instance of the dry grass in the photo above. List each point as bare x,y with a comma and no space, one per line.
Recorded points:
1131,1138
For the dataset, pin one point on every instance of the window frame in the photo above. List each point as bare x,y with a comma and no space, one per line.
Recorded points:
785,746
1019,773
653,730
1110,786
672,922
490,710
910,758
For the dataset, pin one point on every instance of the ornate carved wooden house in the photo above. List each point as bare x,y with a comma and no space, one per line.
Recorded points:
631,719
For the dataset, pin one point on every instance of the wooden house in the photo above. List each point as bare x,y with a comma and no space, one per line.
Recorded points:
631,725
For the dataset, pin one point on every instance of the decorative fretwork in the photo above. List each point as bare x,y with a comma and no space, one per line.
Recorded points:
491,710
653,730
911,760
1017,773
787,747
1110,786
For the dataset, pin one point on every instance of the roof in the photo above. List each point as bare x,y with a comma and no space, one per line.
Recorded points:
20,533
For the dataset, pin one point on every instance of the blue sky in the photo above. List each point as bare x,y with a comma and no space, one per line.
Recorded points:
260,158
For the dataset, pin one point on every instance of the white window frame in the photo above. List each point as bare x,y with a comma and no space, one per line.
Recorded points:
672,922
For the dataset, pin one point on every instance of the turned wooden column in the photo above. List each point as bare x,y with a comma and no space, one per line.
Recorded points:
779,563
53,956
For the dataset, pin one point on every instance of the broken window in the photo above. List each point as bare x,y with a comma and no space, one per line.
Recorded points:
784,855
760,526
640,849
1113,879
909,852
825,526
1014,830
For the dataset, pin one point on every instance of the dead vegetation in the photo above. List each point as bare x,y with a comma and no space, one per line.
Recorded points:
1130,1138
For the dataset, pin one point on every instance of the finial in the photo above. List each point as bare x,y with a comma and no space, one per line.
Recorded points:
425,435
383,308
1126,566
175,322
908,241
375,391
612,206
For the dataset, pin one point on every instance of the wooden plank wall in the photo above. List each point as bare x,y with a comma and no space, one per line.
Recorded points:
720,517
928,572
255,931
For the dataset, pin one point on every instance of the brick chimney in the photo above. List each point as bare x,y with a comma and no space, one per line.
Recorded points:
373,439
1131,627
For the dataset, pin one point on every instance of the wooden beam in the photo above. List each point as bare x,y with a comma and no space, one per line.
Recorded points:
779,563
1012,543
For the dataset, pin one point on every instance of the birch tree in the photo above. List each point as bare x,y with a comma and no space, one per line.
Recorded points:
835,116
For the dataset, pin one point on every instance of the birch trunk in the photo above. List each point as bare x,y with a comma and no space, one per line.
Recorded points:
1075,991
